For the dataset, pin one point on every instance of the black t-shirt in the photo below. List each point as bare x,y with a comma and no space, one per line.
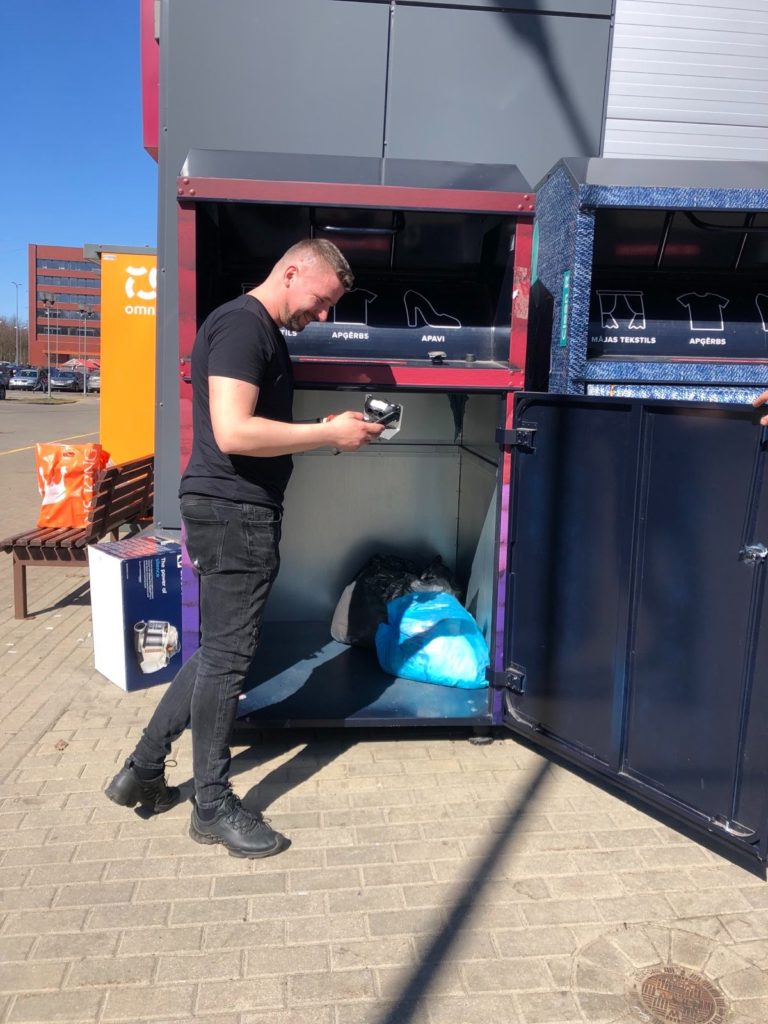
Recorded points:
240,340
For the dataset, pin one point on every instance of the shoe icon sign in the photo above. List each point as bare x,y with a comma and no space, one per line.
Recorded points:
418,307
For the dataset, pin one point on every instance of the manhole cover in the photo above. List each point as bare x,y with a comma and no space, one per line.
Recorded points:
651,974
675,995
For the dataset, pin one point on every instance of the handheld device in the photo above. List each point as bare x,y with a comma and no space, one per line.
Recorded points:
388,414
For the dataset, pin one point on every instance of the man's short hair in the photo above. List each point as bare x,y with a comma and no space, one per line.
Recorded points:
321,249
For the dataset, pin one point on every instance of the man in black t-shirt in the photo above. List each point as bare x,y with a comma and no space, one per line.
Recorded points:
231,505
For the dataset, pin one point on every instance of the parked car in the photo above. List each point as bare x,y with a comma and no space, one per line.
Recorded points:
94,381
30,379
66,380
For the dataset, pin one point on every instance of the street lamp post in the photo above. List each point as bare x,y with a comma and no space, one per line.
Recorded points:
49,301
17,286
85,312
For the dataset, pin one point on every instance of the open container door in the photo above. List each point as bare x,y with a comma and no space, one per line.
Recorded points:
635,634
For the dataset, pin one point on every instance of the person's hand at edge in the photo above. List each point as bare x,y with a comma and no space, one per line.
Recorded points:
761,400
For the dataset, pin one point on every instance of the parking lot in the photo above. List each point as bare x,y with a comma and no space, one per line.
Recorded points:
429,880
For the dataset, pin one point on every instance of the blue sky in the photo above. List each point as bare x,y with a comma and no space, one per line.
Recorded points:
73,167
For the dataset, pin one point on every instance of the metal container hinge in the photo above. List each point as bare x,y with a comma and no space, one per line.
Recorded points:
753,553
510,679
517,437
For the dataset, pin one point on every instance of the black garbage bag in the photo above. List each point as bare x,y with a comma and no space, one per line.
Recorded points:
436,577
363,602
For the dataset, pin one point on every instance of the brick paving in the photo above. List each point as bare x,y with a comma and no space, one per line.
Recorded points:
429,881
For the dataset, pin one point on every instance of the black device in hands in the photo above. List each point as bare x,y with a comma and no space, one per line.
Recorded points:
376,410
388,414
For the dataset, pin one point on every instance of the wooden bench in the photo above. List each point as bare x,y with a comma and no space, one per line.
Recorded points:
124,496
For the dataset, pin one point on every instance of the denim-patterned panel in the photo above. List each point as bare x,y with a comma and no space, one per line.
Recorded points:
557,215
746,199
578,323
557,204
679,373
732,396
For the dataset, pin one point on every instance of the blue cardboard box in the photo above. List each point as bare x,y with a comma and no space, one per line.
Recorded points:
136,610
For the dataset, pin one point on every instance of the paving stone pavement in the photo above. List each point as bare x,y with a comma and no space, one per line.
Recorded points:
429,881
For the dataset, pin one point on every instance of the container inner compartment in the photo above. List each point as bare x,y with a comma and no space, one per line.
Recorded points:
431,490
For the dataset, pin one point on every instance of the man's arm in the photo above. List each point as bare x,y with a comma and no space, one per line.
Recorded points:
761,400
238,432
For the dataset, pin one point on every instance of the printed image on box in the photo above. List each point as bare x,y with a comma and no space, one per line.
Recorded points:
136,610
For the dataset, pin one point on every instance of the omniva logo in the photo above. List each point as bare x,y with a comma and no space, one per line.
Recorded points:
137,289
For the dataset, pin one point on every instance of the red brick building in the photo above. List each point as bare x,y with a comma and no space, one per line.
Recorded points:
64,305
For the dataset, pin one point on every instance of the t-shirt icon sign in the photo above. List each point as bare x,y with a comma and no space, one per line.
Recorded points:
705,311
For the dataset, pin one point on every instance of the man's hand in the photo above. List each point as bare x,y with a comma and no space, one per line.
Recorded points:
349,431
761,400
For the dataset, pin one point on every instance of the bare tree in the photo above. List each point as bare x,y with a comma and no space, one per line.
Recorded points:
8,340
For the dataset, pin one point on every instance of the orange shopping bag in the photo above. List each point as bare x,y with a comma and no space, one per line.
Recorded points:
67,475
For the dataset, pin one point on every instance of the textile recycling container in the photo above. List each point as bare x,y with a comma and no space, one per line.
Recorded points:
437,321
651,278
611,544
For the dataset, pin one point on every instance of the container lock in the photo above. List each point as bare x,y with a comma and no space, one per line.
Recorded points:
511,678
519,437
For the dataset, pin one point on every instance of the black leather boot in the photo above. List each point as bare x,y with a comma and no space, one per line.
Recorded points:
242,833
127,789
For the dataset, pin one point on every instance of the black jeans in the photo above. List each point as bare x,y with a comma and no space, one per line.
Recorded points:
234,548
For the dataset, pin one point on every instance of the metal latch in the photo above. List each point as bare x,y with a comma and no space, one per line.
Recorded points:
733,828
518,437
517,716
753,553
510,679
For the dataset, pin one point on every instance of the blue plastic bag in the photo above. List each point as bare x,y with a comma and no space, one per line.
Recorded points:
432,638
